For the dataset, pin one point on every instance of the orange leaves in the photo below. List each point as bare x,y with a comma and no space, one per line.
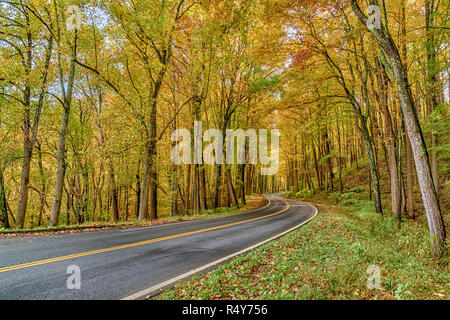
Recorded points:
302,56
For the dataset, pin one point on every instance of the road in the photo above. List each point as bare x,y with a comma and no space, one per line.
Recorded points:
134,262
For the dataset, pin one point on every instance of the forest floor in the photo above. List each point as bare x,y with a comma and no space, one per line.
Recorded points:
328,259
253,202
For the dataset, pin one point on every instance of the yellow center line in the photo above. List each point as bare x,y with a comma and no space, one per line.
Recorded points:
136,244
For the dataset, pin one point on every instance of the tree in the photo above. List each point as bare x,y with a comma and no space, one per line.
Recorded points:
394,63
66,101
25,26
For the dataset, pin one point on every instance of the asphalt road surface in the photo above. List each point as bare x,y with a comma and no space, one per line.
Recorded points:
131,263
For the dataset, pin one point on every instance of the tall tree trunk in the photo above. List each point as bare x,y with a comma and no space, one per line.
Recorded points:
61,155
153,209
203,204
68,207
361,118
433,89
43,190
180,194
127,202
217,174
242,183
408,152
61,169
297,163
329,164
389,137
316,166
173,183
3,203
373,169
174,193
31,130
230,187
114,194
149,183
409,180
339,156
400,175
188,188
138,193
196,190
24,181
146,180
414,130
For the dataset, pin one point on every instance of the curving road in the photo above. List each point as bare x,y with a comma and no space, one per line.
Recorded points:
135,262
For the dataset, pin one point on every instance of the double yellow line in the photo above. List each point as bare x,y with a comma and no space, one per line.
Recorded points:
136,244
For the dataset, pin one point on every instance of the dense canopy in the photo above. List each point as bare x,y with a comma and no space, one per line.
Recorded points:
91,92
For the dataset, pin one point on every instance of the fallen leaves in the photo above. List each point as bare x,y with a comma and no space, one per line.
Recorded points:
315,262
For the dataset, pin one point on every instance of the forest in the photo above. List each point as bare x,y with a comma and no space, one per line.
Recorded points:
92,90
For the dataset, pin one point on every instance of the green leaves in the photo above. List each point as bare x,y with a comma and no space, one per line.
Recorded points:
264,83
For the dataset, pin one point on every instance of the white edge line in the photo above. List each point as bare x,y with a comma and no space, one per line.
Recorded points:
169,282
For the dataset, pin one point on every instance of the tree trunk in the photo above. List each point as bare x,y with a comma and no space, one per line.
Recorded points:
138,193
153,209
196,190
145,191
203,204
31,131
419,150
389,137
61,155
409,180
339,156
3,203
114,195
231,192
329,164
61,170
43,191
373,170
316,166
433,91
217,174
242,184
188,189
127,202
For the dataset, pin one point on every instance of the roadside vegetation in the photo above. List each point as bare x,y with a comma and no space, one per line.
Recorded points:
329,257
253,202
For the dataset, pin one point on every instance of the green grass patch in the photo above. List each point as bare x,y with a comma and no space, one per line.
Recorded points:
328,259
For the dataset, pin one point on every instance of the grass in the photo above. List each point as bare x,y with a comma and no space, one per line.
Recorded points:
328,259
